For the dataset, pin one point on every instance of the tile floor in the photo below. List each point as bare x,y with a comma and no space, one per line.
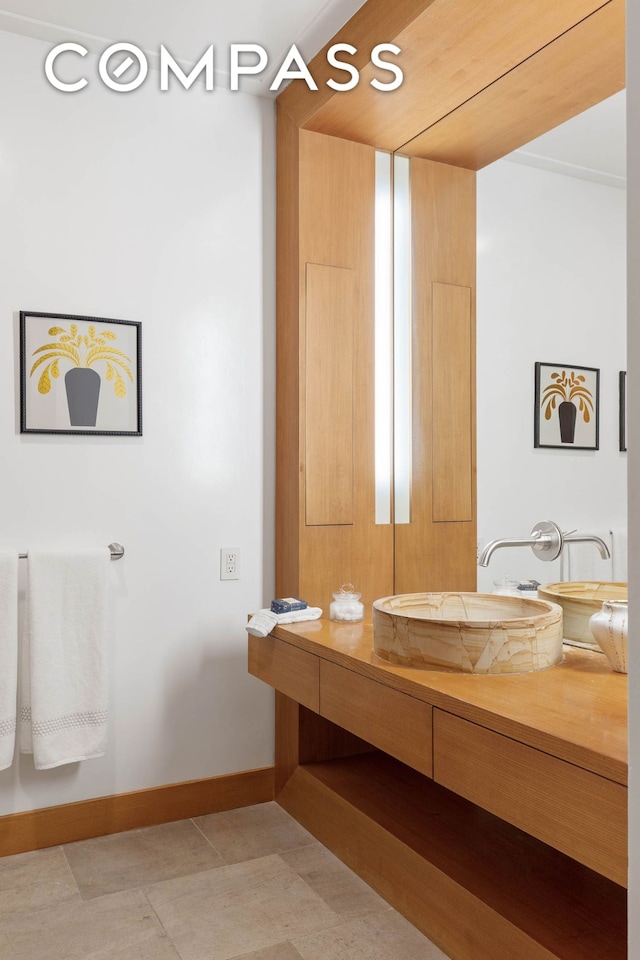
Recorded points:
248,883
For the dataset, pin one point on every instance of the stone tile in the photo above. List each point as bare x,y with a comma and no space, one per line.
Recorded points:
137,858
121,926
281,951
340,888
252,832
30,881
379,935
238,909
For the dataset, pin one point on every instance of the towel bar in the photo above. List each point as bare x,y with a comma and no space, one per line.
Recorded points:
117,552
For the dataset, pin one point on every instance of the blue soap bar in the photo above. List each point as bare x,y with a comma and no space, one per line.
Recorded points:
287,604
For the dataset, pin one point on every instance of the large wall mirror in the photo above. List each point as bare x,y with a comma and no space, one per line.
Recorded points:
551,289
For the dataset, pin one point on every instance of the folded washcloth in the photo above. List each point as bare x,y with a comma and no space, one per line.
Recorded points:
263,622
63,684
8,654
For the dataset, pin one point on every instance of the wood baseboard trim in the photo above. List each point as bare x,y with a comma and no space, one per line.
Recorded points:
50,826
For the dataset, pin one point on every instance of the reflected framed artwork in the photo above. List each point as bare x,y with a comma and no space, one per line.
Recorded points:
80,375
567,406
622,389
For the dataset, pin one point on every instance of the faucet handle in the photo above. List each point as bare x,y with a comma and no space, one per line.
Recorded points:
550,540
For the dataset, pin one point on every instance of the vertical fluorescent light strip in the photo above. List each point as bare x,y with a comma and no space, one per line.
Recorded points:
383,397
402,426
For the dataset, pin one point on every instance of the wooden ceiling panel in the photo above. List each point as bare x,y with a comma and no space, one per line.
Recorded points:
377,21
576,71
451,50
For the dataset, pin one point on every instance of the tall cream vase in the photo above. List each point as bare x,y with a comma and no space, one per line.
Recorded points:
609,629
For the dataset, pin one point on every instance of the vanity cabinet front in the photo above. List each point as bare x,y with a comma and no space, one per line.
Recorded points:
287,669
572,809
388,719
499,839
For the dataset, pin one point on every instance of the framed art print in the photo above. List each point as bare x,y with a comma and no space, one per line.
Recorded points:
622,420
80,375
567,406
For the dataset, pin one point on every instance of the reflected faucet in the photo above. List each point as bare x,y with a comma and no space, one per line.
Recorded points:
546,540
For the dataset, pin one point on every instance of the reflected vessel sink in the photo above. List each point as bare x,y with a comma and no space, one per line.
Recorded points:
468,632
579,600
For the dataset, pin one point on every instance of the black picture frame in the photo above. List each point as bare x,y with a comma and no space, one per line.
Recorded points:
99,359
558,388
622,395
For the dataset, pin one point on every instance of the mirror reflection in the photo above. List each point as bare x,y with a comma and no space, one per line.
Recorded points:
551,289
550,352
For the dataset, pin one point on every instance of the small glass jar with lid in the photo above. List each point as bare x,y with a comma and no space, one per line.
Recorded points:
506,587
346,604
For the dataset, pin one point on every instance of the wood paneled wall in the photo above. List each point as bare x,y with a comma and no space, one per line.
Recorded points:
325,506
327,533
331,307
437,550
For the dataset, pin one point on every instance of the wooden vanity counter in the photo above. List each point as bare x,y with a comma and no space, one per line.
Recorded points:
576,711
490,810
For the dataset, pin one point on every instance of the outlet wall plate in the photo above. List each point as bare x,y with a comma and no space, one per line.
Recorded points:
229,563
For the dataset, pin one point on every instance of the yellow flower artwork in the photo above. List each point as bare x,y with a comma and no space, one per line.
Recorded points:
568,387
82,350
566,406
80,374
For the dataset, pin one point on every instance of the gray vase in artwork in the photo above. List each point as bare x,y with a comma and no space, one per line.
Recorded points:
83,391
567,412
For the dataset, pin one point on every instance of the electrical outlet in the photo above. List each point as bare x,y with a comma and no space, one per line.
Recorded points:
229,563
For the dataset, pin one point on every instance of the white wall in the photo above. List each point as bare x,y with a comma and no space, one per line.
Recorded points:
551,288
157,208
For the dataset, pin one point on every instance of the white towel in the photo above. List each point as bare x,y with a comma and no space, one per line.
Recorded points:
8,654
582,561
63,670
619,555
264,621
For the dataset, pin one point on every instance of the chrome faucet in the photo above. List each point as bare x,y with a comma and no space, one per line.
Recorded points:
546,540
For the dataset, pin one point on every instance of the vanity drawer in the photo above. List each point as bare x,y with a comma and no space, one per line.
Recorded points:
392,721
292,671
574,810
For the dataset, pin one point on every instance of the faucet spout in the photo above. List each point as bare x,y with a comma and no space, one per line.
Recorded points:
546,540
485,556
605,553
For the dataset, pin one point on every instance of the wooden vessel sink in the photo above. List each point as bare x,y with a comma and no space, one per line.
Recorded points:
579,600
468,632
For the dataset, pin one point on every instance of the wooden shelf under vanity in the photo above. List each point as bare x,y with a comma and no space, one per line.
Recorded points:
491,811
